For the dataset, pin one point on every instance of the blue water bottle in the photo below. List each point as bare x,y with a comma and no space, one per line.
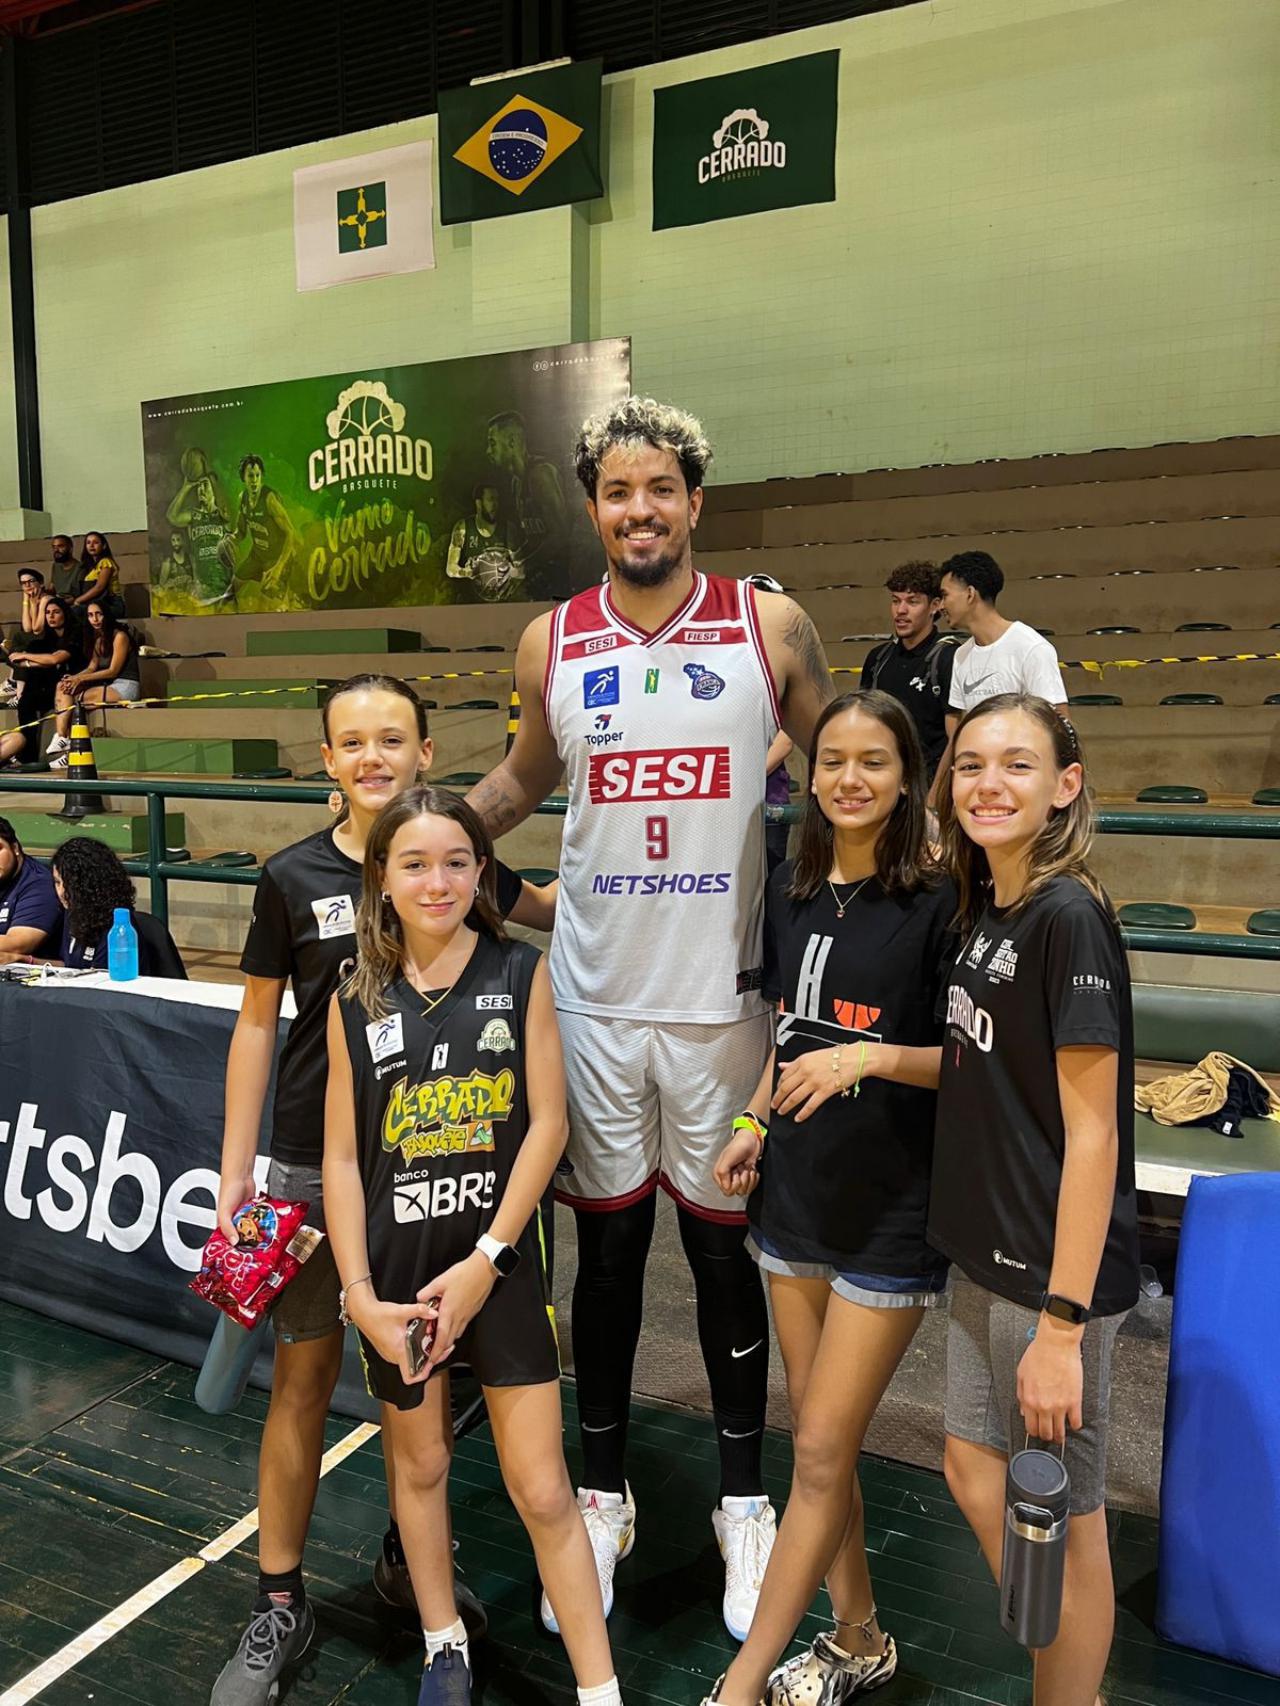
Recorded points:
122,948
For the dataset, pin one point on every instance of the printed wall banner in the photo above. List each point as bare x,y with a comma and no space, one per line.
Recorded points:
363,217
442,483
746,142
519,143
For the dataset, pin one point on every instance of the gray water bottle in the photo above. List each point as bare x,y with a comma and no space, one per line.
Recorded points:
1037,1497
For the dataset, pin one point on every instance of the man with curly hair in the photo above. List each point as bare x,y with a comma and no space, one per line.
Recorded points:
659,692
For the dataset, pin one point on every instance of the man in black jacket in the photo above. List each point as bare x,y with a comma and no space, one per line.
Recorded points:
915,665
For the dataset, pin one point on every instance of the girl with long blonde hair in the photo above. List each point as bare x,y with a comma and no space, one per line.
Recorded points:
1032,1194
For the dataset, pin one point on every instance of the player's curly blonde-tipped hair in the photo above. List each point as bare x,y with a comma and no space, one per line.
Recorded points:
636,421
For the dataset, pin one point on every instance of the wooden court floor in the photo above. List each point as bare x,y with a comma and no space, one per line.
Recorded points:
110,1477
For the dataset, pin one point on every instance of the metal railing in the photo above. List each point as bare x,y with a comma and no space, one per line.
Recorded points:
161,871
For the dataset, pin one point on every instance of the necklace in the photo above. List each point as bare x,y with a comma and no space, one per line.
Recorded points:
849,900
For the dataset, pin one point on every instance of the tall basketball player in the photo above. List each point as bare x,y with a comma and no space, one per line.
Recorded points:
659,693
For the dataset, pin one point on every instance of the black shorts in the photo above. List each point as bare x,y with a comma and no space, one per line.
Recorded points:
511,1342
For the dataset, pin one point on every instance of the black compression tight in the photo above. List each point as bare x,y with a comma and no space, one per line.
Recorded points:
733,1329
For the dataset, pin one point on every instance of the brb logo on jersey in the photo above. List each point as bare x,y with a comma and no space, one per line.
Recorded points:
696,773
446,1116
705,683
600,687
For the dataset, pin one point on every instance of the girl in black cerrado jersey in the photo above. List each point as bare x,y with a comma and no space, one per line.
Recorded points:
303,935
857,938
444,1120
1033,1188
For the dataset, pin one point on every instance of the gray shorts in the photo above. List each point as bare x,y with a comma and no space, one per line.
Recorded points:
986,1340
308,1305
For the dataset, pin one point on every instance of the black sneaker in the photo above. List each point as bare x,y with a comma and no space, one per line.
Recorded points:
446,1680
392,1584
276,1636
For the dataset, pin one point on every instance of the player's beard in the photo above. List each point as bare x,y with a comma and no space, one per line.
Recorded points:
654,571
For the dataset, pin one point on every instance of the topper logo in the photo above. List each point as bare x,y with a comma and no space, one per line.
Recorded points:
696,773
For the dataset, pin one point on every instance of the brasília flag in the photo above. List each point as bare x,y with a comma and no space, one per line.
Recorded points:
363,217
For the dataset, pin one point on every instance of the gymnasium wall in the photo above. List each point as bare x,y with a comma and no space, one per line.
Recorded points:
1057,228
8,430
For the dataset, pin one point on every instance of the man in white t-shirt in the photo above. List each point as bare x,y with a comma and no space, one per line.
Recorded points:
999,656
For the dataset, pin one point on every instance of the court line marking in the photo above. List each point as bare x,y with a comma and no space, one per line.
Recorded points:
138,1604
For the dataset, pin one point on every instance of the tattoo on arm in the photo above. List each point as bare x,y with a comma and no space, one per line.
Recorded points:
497,803
806,648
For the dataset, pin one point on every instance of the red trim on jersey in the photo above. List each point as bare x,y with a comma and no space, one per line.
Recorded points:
601,1205
553,652
720,602
595,645
674,620
757,640
583,613
721,1216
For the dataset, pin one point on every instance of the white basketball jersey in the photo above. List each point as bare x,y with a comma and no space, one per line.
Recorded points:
664,738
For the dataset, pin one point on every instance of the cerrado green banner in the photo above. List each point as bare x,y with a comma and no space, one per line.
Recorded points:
439,483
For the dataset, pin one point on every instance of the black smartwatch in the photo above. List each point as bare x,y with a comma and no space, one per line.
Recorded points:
1063,1309
504,1259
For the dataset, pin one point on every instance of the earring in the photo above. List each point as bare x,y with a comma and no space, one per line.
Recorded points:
477,893
386,898
337,799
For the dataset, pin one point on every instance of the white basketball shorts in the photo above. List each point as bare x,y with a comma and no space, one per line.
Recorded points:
653,1104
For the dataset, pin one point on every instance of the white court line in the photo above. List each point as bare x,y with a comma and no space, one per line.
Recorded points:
66,1658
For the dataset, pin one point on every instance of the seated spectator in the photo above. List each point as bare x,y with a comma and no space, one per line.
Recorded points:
110,676
34,594
38,668
65,572
91,883
30,918
100,576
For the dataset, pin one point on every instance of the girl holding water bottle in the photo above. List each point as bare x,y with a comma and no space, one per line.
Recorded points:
1032,1194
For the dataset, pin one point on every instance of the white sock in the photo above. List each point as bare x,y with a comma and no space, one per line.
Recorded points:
454,1636
603,1694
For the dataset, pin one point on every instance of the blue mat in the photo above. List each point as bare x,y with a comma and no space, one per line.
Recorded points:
1219,1575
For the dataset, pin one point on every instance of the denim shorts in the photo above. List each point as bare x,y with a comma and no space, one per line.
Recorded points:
872,1291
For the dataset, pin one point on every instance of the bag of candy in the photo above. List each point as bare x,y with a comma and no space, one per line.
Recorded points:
244,1279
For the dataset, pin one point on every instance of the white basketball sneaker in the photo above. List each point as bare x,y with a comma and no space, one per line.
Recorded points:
745,1530
611,1528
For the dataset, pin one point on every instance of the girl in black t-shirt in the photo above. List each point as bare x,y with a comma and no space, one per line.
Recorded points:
444,1121
303,933
833,1154
1033,1190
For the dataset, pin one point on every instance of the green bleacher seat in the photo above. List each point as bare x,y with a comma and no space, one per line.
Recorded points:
1115,628
1173,794
1094,699
1267,797
1272,699
484,648
474,705
271,773
1264,923
1214,568
301,642
1203,628
42,831
538,875
1157,915
1115,572
1048,633
316,776
1192,699
231,860
1053,575
1183,1023
122,754
457,779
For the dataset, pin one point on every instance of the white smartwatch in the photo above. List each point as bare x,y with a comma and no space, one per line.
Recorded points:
502,1258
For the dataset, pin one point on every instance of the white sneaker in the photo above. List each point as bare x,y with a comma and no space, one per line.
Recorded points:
10,692
611,1528
59,743
825,1675
745,1530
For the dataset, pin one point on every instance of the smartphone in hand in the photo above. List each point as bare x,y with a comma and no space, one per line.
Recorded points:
419,1336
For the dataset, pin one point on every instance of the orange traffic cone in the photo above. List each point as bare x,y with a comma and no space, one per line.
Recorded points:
81,768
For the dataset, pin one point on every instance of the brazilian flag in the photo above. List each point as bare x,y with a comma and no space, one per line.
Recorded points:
521,142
